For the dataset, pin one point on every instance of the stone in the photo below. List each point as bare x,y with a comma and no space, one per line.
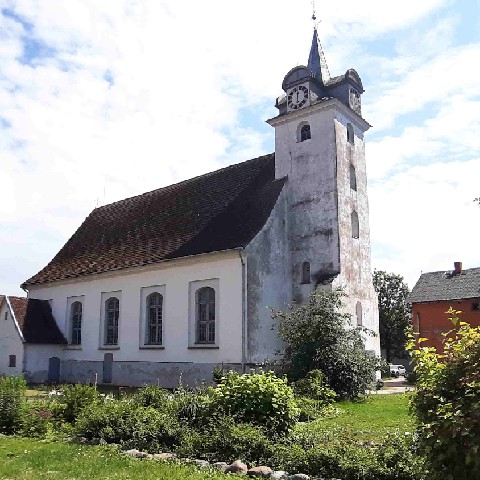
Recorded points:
236,467
261,471
164,456
298,476
279,475
136,453
201,463
222,466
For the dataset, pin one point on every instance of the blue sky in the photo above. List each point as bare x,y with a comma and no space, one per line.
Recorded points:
103,100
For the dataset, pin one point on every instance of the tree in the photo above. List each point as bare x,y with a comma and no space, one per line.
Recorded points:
446,400
319,335
393,312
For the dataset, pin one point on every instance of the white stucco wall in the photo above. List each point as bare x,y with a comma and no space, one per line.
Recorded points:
174,279
321,203
10,342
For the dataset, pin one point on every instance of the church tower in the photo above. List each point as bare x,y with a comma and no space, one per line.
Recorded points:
319,147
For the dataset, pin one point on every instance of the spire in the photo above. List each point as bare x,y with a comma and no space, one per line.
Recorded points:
317,64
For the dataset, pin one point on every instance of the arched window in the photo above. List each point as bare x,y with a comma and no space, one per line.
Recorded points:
154,320
76,323
305,133
350,133
112,312
359,312
306,272
205,315
355,225
353,178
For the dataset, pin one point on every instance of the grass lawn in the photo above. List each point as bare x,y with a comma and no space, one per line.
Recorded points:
371,419
23,458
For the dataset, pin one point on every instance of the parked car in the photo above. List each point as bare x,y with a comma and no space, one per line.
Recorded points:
396,370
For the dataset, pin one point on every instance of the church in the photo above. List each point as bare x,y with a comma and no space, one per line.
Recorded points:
180,280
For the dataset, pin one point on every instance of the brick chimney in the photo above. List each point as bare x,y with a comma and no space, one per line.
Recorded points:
457,266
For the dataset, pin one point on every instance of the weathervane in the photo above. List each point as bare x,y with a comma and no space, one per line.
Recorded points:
314,16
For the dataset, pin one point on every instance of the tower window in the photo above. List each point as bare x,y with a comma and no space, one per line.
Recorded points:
303,132
350,133
12,360
353,178
355,225
306,272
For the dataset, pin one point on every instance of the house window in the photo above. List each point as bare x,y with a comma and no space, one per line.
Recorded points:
205,315
355,225
350,133
112,313
475,306
353,178
12,360
359,313
76,323
154,320
306,272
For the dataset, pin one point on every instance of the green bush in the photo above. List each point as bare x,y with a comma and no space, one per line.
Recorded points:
12,402
37,420
125,423
446,402
74,399
195,406
335,455
259,398
314,385
318,335
153,396
226,440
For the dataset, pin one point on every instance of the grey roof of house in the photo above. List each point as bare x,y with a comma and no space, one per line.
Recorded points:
438,286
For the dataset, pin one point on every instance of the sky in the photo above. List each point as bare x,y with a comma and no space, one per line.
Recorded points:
102,100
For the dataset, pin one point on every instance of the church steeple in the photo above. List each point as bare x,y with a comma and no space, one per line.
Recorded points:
317,64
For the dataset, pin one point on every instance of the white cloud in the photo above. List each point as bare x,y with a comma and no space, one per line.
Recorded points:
131,96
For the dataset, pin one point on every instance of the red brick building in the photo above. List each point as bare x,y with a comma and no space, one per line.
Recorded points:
435,293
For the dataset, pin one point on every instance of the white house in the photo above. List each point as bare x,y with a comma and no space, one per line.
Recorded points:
181,279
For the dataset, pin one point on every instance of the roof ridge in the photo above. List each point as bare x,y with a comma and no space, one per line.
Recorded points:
184,182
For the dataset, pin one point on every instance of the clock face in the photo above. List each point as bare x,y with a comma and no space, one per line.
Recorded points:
297,97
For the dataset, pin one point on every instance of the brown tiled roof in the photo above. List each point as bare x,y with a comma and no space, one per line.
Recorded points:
35,319
438,286
218,211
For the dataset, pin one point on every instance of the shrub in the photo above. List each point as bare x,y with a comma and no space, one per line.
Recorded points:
37,420
226,440
153,396
195,406
259,398
314,386
311,409
446,402
74,399
128,424
12,401
318,336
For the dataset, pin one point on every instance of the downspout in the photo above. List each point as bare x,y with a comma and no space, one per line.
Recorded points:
244,310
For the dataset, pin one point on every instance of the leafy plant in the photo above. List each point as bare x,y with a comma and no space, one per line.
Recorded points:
12,402
259,398
315,386
37,421
318,335
74,399
153,396
128,424
446,402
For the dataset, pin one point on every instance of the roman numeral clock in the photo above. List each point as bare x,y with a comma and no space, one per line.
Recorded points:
297,97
